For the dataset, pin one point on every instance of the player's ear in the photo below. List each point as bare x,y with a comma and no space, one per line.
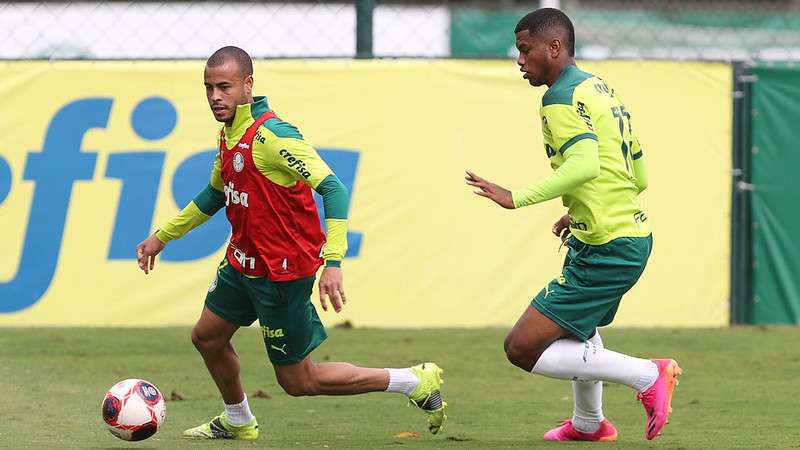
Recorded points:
248,84
555,47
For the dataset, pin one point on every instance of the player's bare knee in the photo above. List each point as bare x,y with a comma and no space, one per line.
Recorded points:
298,387
292,388
519,355
205,344
507,343
197,339
519,359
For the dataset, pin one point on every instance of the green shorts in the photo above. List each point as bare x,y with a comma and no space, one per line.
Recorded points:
289,322
595,277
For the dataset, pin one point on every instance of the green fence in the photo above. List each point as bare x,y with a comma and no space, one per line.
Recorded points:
643,29
766,201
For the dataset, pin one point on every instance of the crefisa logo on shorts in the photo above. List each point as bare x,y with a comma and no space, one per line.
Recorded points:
270,333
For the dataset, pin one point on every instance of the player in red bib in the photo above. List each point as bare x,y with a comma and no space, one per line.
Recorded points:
263,176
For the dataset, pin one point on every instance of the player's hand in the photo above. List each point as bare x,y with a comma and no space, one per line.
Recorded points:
331,288
497,193
146,252
561,227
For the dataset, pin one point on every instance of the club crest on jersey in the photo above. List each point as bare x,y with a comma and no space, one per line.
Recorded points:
238,161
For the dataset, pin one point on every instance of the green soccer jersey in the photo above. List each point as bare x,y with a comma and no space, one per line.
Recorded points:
598,160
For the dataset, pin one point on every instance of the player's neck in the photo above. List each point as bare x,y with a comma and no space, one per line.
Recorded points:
558,70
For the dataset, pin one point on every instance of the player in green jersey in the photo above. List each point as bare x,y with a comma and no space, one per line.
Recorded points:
599,173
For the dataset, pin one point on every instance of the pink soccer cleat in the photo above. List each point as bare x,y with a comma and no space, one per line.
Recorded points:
567,432
657,400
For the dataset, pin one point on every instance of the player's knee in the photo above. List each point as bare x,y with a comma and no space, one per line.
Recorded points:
205,344
299,386
519,355
293,388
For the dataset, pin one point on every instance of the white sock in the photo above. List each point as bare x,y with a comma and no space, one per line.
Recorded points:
568,359
402,380
587,411
238,414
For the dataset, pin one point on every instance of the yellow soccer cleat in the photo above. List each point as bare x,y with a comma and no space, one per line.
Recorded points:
219,428
427,396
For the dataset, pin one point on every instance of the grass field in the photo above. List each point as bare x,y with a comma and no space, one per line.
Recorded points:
738,390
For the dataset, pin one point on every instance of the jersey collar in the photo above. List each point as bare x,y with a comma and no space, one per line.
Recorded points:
246,114
565,73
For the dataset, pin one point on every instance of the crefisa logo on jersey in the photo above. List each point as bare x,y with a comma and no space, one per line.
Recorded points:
233,196
238,162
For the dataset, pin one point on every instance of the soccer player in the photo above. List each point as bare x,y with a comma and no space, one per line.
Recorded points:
263,175
599,173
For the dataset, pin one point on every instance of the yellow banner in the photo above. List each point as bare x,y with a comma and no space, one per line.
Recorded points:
96,154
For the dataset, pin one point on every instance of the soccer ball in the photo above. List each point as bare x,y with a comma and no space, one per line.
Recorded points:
133,409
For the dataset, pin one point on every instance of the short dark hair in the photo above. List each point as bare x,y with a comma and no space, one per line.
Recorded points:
549,20
228,53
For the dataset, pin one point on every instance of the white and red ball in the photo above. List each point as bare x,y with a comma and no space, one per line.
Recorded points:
133,409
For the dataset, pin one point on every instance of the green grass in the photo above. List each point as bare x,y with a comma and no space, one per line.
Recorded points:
738,390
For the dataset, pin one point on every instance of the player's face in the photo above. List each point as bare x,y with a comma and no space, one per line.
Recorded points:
227,87
534,57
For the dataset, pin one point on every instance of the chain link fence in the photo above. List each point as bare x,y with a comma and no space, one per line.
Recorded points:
631,29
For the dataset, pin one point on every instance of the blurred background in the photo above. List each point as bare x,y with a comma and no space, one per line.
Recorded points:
718,30
107,134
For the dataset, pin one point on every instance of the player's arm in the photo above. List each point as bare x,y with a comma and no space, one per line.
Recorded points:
287,155
581,164
639,168
574,137
204,205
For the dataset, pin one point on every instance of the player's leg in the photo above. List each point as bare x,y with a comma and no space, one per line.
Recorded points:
331,378
653,380
292,330
587,406
211,337
586,296
538,344
226,309
421,383
530,337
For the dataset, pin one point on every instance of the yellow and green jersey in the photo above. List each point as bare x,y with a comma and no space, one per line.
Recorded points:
280,154
598,162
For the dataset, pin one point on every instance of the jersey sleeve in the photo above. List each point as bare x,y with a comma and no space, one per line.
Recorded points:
295,158
639,168
581,164
568,124
298,160
335,199
216,174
